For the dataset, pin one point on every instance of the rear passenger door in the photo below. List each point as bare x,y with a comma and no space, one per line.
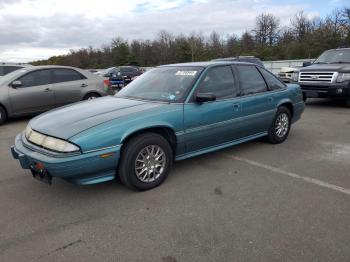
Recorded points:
212,123
68,85
257,102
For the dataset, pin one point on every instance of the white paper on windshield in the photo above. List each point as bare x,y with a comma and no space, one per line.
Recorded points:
186,73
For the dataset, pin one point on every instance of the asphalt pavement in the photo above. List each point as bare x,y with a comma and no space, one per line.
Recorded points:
251,202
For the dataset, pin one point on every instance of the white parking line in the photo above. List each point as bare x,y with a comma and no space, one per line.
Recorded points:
290,174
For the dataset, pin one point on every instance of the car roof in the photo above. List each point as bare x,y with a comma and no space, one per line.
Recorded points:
340,48
210,63
52,66
14,64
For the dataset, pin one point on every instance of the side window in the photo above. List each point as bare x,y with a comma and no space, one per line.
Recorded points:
66,75
9,69
273,82
4,70
36,78
219,81
251,80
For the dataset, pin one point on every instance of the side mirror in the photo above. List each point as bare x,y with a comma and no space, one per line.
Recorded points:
205,97
305,64
16,84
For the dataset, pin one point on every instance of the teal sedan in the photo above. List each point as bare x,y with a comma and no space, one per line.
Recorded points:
170,113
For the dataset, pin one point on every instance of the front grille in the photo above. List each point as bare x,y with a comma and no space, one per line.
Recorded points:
321,77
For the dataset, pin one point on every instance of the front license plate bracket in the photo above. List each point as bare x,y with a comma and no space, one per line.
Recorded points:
312,94
41,175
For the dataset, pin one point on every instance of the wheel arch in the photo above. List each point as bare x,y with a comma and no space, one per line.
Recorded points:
4,107
289,105
165,131
92,92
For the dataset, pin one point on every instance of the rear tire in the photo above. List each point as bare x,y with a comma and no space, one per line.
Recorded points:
91,96
280,127
3,115
145,161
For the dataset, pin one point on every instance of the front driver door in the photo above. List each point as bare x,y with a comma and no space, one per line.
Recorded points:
212,123
35,94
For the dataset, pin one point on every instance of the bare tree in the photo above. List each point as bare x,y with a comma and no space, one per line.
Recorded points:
266,29
301,26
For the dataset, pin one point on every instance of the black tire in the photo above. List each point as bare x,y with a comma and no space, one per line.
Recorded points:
132,150
91,96
3,115
273,136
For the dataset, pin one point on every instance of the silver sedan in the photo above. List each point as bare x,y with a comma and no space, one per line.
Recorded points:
40,88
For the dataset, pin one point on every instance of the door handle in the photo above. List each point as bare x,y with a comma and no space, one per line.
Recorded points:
47,90
236,107
84,85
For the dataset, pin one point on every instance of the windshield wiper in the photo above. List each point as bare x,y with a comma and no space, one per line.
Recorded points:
340,62
320,63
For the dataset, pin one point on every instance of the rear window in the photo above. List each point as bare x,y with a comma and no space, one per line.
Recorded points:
273,82
66,75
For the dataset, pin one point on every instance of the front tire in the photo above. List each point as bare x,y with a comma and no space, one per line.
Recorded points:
280,127
3,115
145,161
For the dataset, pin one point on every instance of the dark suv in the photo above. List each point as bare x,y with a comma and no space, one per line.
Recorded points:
328,76
130,72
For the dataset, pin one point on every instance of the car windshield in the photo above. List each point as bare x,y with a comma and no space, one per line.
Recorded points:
168,84
334,57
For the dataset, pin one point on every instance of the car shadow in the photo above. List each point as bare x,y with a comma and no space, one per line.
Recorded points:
18,119
317,102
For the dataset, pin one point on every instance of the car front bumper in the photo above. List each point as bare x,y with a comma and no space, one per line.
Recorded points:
86,168
341,90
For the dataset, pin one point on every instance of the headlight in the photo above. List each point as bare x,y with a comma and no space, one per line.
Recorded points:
342,77
295,76
28,131
49,142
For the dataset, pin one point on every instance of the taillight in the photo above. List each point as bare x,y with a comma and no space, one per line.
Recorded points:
107,84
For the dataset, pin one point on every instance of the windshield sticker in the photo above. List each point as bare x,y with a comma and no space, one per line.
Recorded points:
186,73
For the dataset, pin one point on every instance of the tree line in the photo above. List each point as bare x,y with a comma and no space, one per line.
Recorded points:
268,40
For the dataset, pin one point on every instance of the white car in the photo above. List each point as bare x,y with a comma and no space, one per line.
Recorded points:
286,74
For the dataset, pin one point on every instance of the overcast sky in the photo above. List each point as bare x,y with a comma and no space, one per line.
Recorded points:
38,29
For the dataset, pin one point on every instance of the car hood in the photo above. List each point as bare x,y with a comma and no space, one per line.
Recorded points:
68,121
327,67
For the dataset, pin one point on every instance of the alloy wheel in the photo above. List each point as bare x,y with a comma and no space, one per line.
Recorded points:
150,163
282,125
